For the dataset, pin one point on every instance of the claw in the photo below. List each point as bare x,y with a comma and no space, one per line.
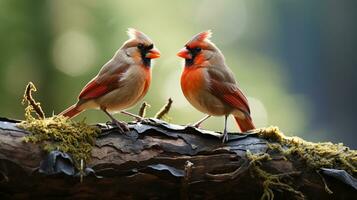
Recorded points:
198,124
225,134
193,125
137,117
144,120
224,137
122,126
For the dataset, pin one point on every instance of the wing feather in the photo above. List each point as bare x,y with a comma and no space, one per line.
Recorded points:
228,92
103,84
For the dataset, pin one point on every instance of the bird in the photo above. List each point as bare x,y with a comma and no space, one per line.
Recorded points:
209,84
121,82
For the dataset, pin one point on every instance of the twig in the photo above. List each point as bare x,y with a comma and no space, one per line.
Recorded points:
164,110
31,102
186,180
143,107
327,189
230,175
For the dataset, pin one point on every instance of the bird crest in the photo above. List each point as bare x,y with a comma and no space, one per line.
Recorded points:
205,35
135,34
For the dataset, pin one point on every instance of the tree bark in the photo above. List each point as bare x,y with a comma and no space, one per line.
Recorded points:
159,161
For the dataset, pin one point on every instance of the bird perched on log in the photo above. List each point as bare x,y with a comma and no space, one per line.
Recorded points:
121,82
209,84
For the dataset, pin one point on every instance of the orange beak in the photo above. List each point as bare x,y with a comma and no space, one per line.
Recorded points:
153,53
184,53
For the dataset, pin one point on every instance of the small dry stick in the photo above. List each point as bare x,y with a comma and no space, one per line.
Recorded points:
327,189
164,110
28,96
81,171
143,107
186,180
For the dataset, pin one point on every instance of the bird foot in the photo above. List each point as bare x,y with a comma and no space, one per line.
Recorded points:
196,125
143,120
224,137
137,117
121,126
193,125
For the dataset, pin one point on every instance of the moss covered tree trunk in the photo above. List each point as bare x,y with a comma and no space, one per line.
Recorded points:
164,161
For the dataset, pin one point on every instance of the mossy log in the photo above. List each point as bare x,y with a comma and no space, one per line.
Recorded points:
156,160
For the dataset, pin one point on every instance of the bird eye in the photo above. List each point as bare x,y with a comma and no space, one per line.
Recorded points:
150,46
140,46
198,49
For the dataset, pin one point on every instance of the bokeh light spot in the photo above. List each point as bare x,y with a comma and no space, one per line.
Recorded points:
74,53
258,112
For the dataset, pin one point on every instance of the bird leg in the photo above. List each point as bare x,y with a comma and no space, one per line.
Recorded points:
198,124
137,117
225,134
122,126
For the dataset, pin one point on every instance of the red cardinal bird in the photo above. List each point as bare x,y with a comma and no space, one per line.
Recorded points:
122,81
209,85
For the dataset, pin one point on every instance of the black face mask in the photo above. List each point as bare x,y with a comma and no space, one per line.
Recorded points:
194,52
143,51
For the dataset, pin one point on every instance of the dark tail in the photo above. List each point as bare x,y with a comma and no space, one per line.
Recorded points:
245,124
70,112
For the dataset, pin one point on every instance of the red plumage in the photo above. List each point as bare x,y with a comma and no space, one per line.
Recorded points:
122,81
209,85
234,97
93,90
70,112
231,94
245,124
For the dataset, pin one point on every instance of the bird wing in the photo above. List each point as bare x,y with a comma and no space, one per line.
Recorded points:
228,92
103,83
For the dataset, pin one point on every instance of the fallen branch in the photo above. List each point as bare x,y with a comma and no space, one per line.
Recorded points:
163,161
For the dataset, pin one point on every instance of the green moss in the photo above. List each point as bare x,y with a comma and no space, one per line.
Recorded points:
57,132
271,133
270,181
314,155
61,133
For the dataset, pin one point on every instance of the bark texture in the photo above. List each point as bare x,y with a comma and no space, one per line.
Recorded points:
162,161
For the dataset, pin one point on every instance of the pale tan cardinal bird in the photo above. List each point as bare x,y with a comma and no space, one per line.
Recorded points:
209,85
121,82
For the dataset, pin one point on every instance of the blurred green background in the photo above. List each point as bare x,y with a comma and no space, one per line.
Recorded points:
295,60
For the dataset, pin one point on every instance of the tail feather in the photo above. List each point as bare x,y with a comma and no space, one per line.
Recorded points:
245,124
70,112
